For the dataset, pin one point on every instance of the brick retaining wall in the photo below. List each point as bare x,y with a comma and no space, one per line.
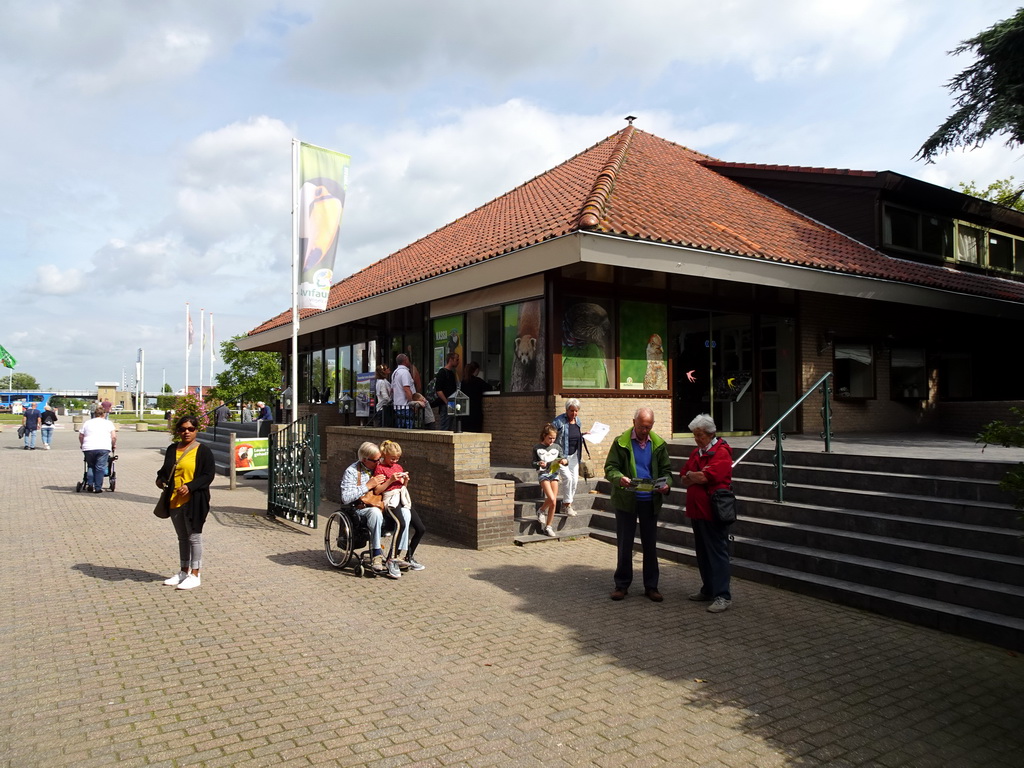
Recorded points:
450,481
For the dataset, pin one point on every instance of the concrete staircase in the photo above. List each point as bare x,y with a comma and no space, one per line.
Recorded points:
528,500
931,541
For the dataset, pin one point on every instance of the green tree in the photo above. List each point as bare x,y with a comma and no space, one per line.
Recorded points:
1002,191
20,381
988,95
247,376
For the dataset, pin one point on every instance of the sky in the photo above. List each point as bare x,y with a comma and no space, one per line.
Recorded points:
145,157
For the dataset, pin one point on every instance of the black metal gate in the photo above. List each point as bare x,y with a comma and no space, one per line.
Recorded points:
295,472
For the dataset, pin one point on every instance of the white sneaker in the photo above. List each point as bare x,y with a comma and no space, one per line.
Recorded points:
176,579
542,518
720,604
550,531
569,510
190,582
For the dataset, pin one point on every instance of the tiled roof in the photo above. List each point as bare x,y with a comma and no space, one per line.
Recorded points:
636,185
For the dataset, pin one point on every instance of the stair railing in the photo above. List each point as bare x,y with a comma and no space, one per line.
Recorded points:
776,433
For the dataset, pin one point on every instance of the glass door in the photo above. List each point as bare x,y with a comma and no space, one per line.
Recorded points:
712,369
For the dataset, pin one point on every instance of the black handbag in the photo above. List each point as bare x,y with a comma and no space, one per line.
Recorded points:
723,506
163,505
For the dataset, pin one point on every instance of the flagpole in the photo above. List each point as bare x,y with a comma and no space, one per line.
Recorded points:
211,350
202,347
188,345
294,385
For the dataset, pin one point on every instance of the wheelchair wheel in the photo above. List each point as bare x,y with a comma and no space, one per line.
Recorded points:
359,570
338,540
78,487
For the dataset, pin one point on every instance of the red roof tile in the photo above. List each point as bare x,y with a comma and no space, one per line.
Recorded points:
636,185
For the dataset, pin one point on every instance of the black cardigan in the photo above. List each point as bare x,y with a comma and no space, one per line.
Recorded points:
198,505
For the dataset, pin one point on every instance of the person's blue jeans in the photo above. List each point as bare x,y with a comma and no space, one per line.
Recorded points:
625,531
374,519
30,438
711,542
445,421
47,434
96,463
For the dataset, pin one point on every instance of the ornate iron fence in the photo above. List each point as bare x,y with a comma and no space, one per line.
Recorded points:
294,492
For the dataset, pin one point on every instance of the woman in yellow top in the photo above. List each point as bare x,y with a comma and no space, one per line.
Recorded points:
188,469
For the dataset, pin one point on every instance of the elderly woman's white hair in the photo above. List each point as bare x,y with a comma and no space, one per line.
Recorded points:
704,423
572,402
368,449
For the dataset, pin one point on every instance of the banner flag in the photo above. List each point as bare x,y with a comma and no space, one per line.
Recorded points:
323,179
191,334
7,359
213,354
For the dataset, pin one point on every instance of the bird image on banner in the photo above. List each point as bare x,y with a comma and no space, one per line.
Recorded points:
322,215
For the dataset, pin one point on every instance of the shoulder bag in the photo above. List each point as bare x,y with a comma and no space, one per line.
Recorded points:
587,465
163,504
723,506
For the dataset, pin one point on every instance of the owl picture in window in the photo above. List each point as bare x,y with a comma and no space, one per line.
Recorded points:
586,332
656,376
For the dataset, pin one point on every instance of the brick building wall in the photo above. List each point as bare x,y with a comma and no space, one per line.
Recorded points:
516,421
853,319
969,418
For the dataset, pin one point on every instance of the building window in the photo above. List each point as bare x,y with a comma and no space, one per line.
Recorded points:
524,346
919,232
854,370
588,346
642,330
970,244
908,373
1000,251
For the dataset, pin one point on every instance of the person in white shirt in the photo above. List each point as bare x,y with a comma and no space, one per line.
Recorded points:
98,438
402,389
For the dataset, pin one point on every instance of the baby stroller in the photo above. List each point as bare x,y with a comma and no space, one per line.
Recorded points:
111,475
346,540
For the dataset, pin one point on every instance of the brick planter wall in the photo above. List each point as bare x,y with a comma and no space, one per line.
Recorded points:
450,480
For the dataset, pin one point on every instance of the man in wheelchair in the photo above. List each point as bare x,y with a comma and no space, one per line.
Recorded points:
357,481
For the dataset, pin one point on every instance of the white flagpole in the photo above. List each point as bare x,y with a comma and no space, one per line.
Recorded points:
188,343
294,386
202,347
211,349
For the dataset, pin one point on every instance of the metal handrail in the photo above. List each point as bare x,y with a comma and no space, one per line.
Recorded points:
776,433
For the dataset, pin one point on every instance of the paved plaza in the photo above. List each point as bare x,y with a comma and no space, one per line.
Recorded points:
507,657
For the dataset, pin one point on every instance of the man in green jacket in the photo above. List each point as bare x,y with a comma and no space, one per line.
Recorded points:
638,453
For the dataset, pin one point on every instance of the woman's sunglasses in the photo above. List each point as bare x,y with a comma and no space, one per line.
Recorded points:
186,429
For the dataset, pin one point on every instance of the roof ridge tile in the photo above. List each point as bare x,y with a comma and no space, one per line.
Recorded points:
594,206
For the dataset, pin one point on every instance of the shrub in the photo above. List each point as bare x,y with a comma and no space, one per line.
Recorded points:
1008,435
192,405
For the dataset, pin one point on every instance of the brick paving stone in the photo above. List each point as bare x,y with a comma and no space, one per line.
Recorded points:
507,656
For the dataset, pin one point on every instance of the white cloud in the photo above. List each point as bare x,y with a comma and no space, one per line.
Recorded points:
92,49
353,46
52,281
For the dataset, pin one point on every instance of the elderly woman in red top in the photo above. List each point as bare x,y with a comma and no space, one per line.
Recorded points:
708,469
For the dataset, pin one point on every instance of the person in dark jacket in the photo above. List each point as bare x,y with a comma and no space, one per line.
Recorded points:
187,471
638,453
447,383
46,421
474,387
